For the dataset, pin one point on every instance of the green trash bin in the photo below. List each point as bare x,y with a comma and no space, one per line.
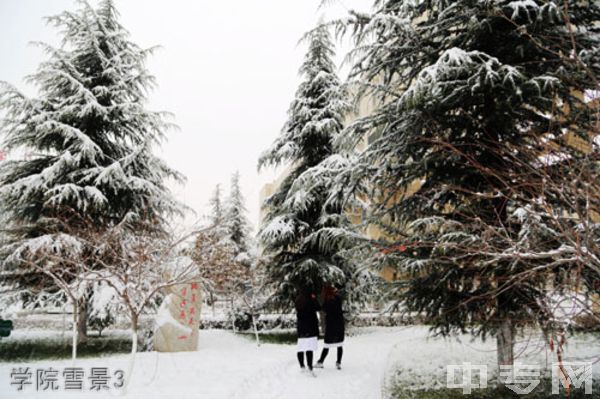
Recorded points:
6,326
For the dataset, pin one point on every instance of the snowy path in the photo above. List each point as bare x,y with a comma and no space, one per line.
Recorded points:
364,364
232,367
229,366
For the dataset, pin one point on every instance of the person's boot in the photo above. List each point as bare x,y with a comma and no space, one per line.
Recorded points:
338,365
319,365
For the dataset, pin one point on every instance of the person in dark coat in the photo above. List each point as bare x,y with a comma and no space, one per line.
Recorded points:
334,325
307,326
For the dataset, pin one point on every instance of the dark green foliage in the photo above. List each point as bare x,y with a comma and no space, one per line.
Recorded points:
90,137
306,231
467,94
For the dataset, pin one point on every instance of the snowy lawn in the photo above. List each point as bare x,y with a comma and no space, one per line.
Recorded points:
418,363
230,366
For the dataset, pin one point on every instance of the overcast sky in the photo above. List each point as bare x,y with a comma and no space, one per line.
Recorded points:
226,69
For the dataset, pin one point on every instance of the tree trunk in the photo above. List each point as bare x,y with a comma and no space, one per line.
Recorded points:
75,332
82,320
255,326
212,304
505,343
64,321
134,346
134,334
233,316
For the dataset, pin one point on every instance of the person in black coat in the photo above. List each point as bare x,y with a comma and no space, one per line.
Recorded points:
334,325
307,326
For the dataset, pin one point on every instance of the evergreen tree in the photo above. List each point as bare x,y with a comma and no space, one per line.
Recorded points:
306,231
236,220
462,90
92,137
220,250
216,207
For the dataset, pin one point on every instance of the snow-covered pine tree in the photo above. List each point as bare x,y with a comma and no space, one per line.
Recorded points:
216,207
462,89
217,255
236,220
217,228
92,137
306,231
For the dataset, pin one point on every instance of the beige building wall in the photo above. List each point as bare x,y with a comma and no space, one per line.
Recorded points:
268,190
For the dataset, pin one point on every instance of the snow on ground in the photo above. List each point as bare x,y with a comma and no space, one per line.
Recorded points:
230,366
419,361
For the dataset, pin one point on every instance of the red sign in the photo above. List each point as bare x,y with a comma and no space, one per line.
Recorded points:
188,311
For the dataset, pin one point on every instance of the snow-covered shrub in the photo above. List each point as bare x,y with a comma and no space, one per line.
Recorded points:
241,319
103,307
